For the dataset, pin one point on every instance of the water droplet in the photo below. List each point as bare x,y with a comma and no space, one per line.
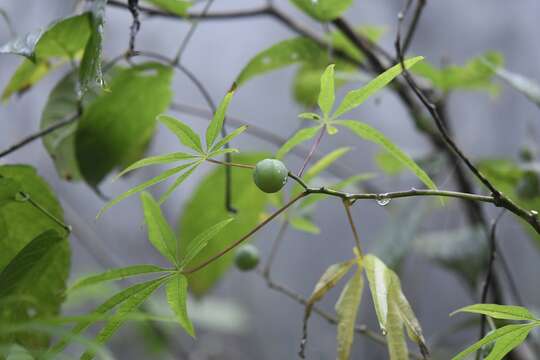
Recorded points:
384,332
383,199
534,212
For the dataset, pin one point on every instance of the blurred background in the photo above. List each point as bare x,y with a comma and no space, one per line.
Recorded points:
242,318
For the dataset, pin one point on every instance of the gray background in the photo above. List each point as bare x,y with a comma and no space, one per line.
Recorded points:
485,126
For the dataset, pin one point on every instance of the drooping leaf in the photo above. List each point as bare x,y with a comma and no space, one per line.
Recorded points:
299,137
323,10
198,244
177,292
356,97
512,331
206,207
475,75
183,132
21,225
379,280
280,55
91,74
347,309
327,94
116,128
217,121
127,307
506,312
116,274
27,74
178,7
160,234
388,163
369,133
397,346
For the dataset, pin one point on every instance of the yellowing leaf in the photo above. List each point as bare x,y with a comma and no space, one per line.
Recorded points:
347,310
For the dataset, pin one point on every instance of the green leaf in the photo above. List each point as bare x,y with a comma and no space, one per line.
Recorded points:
157,160
380,280
183,132
198,244
22,226
495,311
508,342
156,180
127,307
388,163
512,331
299,137
213,129
329,279
325,162
475,75
177,292
90,73
356,97
27,74
228,138
522,84
327,94
304,224
347,310
397,346
179,180
116,274
309,116
369,133
178,7
115,128
323,10
206,207
160,234
280,55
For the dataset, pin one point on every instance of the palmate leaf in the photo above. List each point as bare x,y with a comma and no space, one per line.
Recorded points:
505,312
323,10
116,274
156,160
201,241
299,137
217,146
179,180
183,132
213,129
160,234
369,133
177,291
356,97
127,307
160,178
347,309
510,336
327,94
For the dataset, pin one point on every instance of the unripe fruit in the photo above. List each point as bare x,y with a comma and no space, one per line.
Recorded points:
270,175
247,257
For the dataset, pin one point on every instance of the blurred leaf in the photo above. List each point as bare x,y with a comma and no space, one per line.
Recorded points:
160,234
116,128
347,309
177,292
178,7
41,291
343,43
23,45
198,244
27,75
460,250
510,336
525,86
355,98
185,134
325,162
369,133
505,312
475,75
227,139
116,274
328,280
327,94
388,163
179,181
206,207
90,74
8,189
280,55
157,160
323,10
397,345
127,307
213,129
304,224
299,137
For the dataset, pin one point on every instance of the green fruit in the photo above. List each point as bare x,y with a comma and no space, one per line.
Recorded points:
270,175
529,185
247,257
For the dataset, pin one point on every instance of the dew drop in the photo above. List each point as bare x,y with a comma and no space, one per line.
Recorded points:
383,199
384,332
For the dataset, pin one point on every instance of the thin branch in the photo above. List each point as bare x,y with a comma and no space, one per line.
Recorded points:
347,206
273,251
133,6
312,150
420,4
27,140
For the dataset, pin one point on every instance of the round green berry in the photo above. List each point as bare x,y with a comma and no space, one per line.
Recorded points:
270,175
247,257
